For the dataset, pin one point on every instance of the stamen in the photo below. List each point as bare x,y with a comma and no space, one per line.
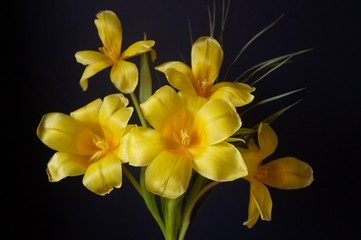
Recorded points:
102,145
182,138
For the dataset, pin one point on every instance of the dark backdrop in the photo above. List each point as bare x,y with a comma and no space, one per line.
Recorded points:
323,130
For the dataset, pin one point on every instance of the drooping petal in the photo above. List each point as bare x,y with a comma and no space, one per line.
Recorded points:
160,106
220,118
253,212
88,57
65,134
262,198
220,162
286,173
109,30
142,146
179,75
90,71
102,176
267,140
239,94
168,175
207,57
124,76
138,48
63,165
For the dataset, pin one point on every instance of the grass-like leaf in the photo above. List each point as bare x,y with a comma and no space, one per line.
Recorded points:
274,116
248,44
267,100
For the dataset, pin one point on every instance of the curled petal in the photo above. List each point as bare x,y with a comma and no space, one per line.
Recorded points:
222,116
239,94
179,75
207,57
65,134
138,48
109,30
168,175
102,176
90,71
263,199
63,165
286,173
220,162
124,76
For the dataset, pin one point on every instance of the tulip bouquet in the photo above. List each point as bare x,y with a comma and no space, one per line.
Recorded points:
192,133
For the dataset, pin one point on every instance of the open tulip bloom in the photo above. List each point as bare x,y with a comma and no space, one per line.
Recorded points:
192,133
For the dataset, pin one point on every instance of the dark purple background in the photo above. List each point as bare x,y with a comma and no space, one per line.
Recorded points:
322,130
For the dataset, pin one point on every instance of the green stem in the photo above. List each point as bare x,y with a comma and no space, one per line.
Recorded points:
139,111
194,196
150,202
132,180
172,217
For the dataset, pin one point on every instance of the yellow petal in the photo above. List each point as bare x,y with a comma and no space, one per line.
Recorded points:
90,71
220,118
109,30
89,114
103,175
164,103
63,165
220,162
88,57
114,114
239,94
253,212
168,175
286,173
143,145
179,75
138,48
262,199
252,160
65,134
207,57
267,140
124,76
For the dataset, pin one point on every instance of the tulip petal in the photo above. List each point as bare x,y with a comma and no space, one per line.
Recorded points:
239,94
144,144
138,48
63,165
263,199
222,116
65,134
267,140
168,175
89,114
253,212
179,75
102,176
286,173
164,103
109,30
124,76
88,57
90,71
220,162
207,57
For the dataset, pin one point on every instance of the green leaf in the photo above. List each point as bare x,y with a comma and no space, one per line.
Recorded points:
145,78
274,116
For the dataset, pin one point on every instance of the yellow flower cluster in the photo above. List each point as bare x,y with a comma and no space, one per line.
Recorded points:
190,139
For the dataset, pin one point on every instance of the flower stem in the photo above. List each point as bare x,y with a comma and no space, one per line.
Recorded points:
196,193
132,180
137,108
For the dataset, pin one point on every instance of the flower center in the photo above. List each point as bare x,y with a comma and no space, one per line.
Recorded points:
263,173
110,53
182,137
102,146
